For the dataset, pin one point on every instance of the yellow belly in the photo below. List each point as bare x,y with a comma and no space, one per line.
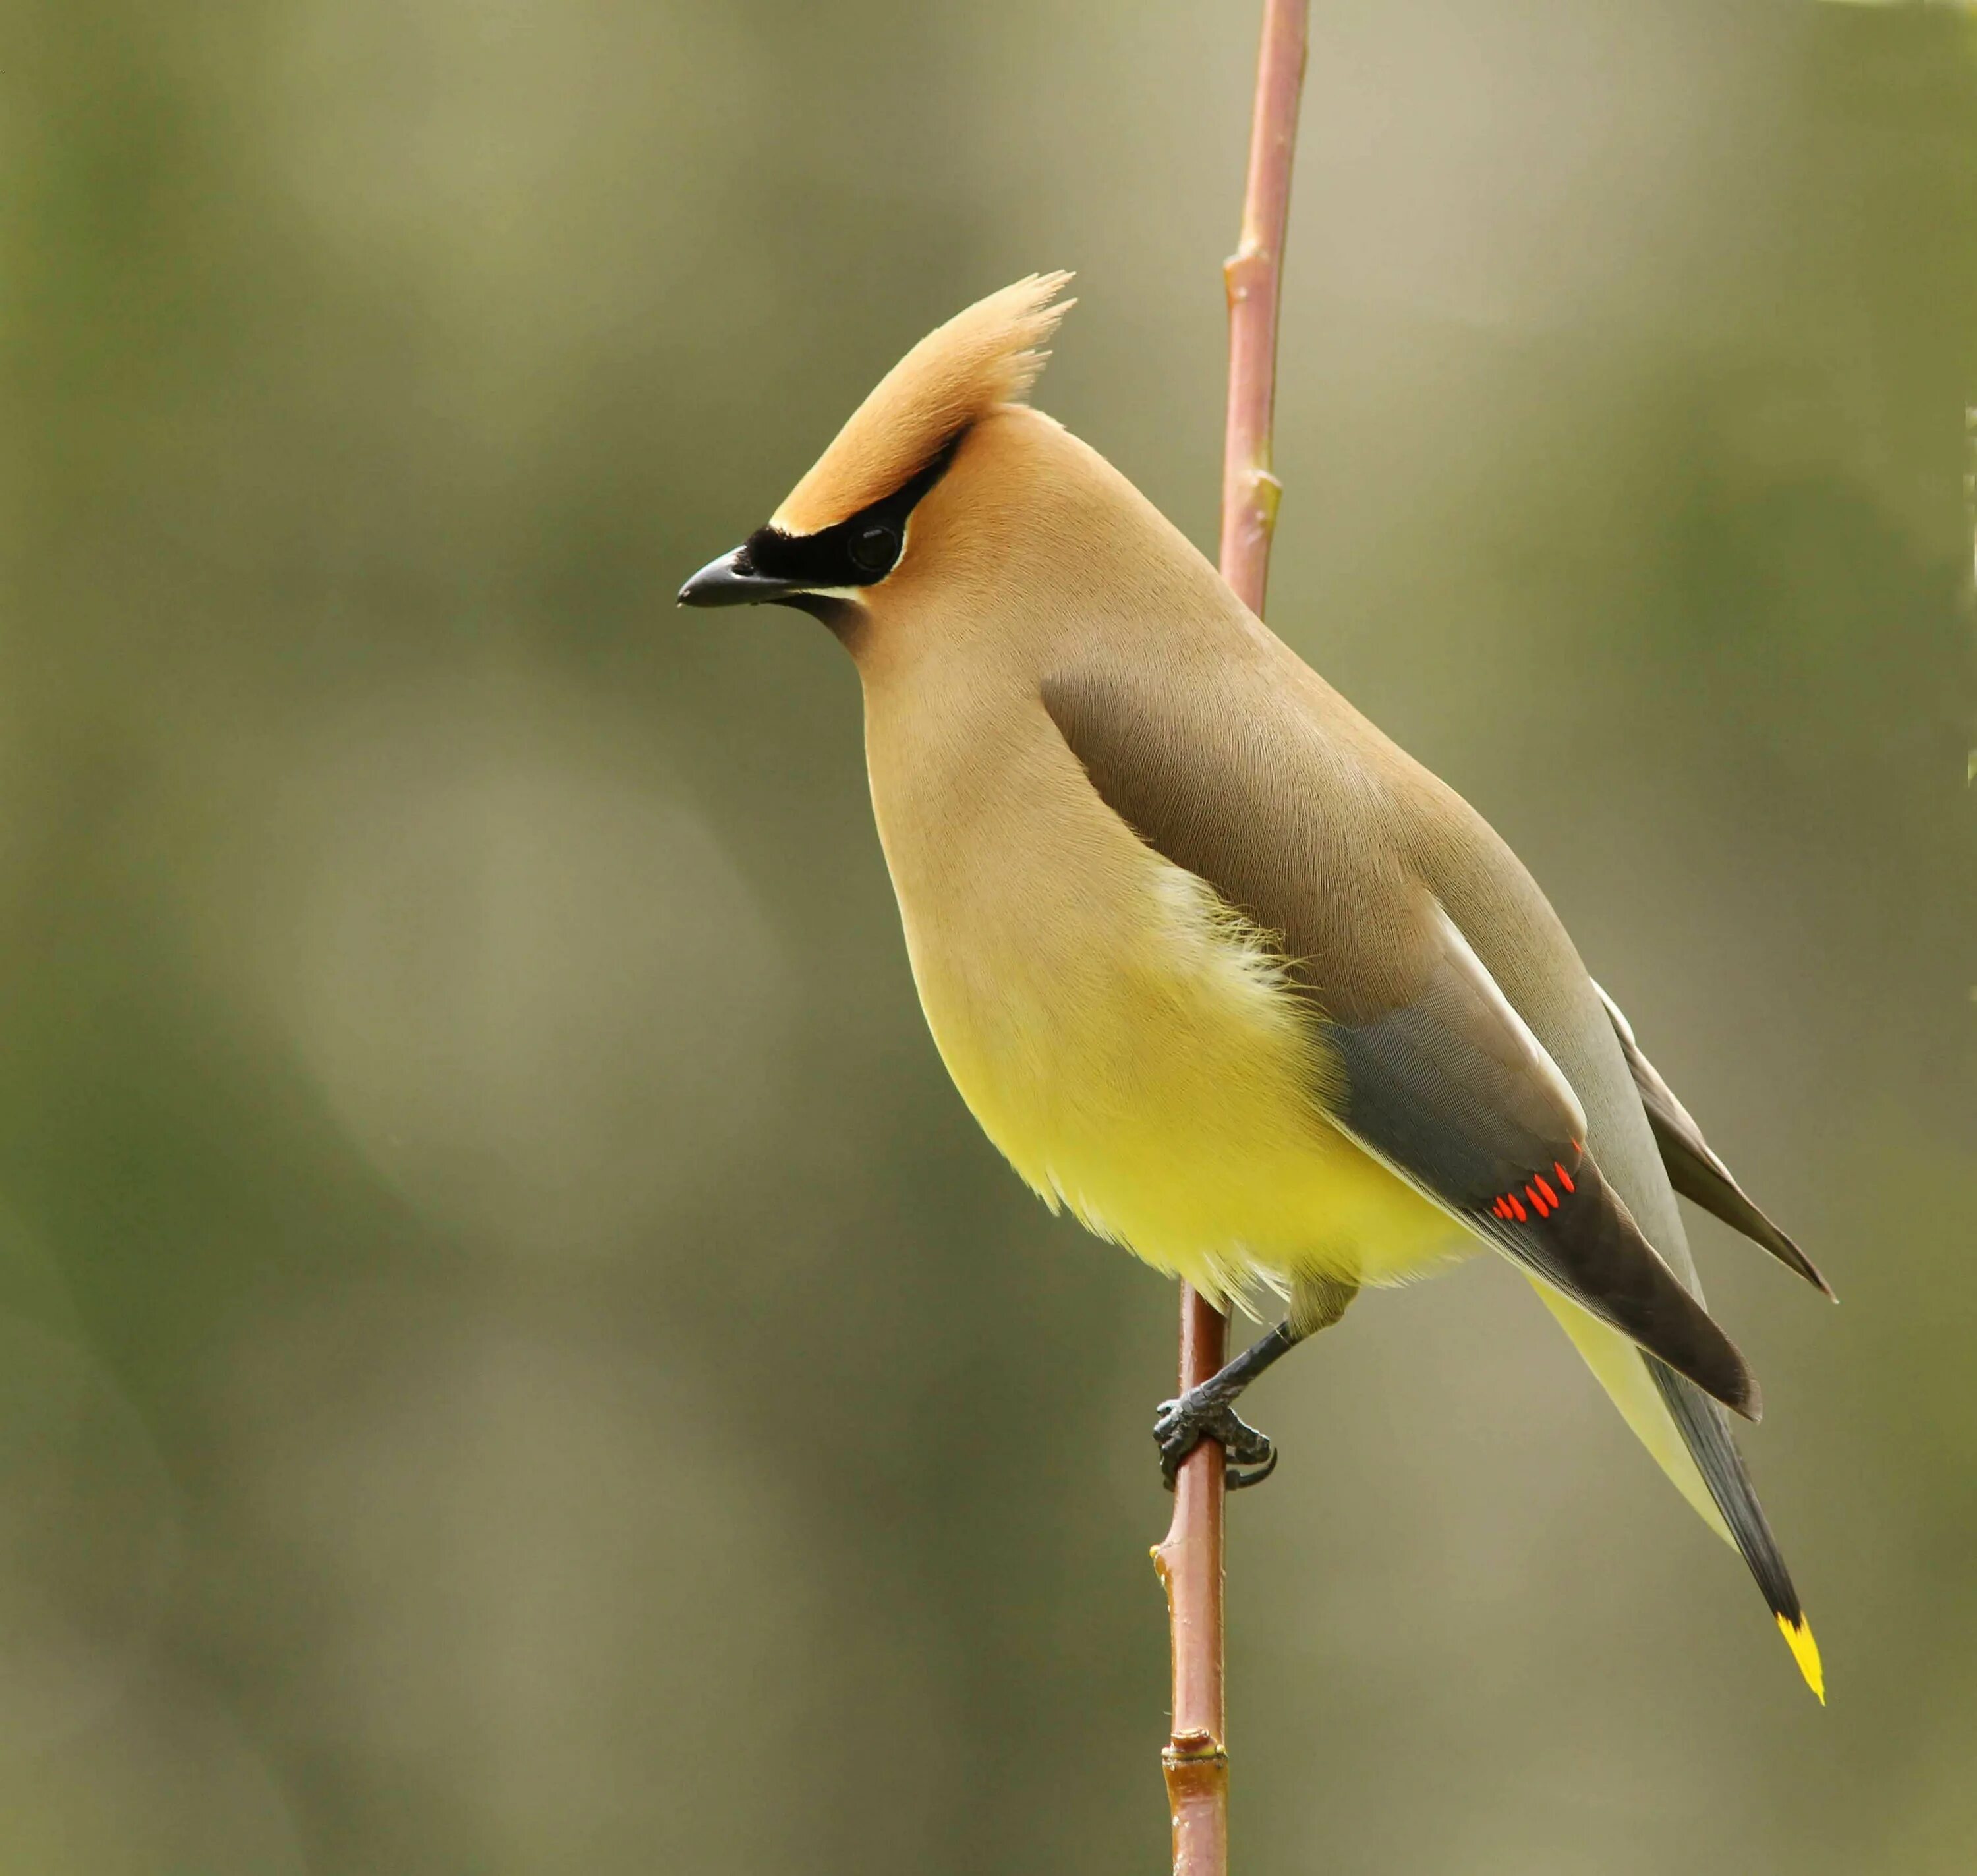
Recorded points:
1147,1068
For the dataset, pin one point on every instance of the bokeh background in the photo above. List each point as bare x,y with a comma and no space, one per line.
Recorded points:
513,1357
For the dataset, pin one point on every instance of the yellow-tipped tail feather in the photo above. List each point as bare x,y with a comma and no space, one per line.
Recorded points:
1621,1371
1805,1652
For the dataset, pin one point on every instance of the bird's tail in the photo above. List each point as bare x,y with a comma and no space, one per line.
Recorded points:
1689,1435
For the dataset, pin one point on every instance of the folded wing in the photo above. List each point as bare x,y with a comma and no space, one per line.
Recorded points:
1418,1057
1694,1169
1453,1093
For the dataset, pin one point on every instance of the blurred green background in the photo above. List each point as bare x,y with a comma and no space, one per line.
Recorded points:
513,1357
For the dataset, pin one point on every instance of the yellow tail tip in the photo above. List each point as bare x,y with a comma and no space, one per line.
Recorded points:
1805,1652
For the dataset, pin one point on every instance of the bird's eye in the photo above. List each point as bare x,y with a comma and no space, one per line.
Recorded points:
874,549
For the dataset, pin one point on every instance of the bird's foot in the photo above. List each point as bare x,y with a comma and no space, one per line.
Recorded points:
1182,1425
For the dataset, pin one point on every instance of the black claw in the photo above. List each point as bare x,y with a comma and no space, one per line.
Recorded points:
1245,1444
1234,1479
1183,1424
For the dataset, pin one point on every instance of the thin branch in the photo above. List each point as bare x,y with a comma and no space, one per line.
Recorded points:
1254,275
1196,1760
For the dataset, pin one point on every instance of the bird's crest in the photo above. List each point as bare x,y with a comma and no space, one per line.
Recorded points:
989,354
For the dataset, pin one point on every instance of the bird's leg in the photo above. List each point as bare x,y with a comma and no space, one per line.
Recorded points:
1205,1413
1208,1412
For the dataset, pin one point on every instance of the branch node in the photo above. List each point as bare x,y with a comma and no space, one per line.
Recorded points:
1194,1749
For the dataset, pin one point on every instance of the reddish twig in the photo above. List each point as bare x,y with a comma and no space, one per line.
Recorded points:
1196,1762
1254,274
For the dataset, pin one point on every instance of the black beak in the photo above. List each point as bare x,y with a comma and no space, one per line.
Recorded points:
731,581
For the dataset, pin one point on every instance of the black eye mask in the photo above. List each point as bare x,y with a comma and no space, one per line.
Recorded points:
860,552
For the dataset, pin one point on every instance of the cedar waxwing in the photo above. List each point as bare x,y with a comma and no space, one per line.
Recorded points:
1212,962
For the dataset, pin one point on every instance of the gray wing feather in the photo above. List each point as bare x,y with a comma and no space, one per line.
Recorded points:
1694,1168
1453,1093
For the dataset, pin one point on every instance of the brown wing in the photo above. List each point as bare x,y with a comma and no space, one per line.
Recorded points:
1443,1081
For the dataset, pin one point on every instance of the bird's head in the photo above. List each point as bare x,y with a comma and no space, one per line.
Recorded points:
855,523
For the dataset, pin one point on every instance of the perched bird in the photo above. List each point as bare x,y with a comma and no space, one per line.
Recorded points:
1214,963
